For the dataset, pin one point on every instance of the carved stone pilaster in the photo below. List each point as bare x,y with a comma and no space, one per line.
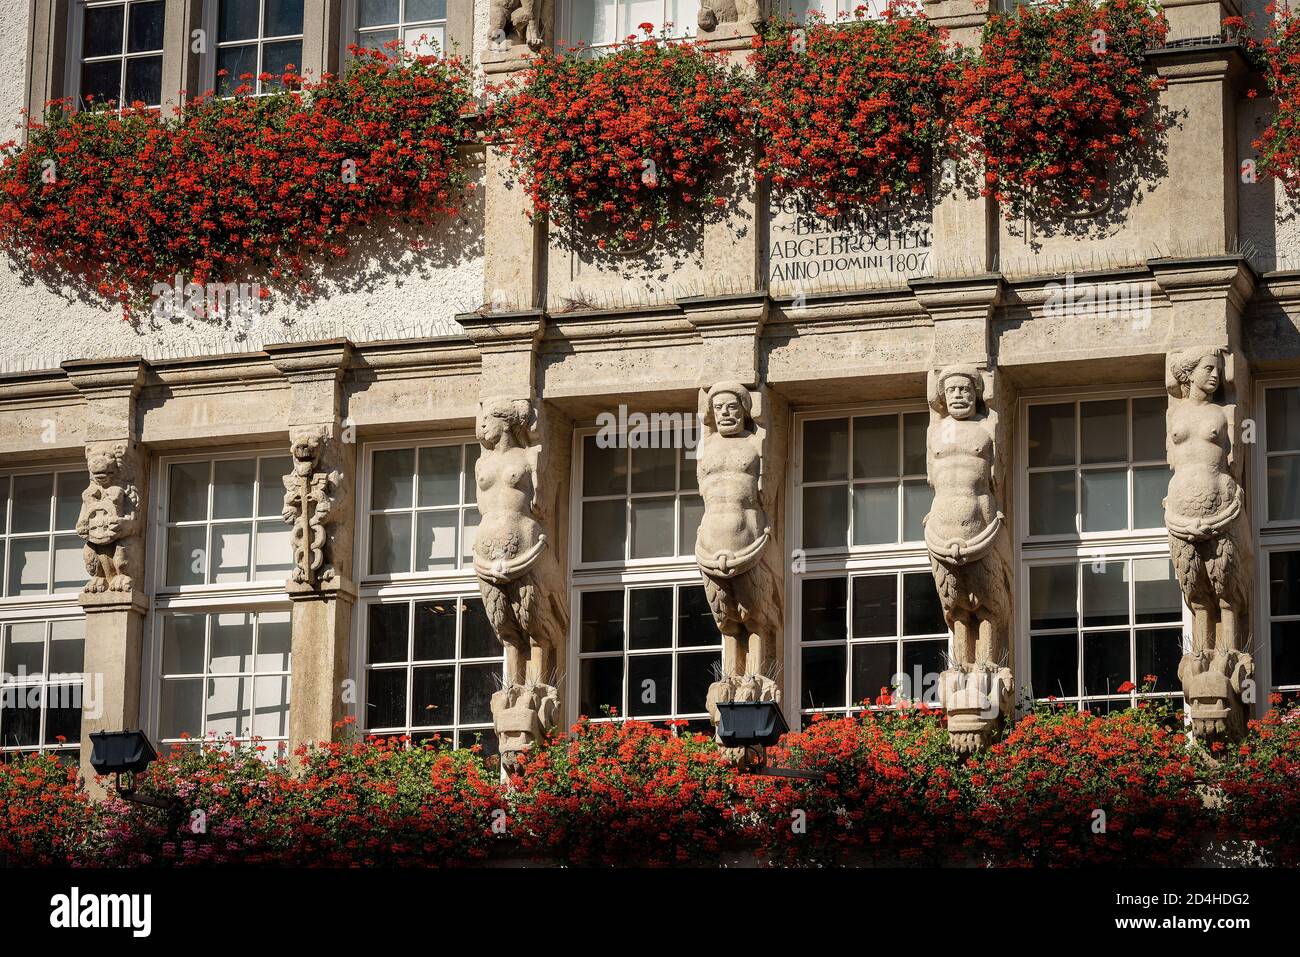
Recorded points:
311,492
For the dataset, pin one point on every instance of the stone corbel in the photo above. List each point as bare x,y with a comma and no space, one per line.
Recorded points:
730,329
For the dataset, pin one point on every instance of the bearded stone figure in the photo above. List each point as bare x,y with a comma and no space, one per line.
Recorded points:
1209,541
511,561
970,555
731,549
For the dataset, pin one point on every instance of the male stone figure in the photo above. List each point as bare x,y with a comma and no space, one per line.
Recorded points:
970,555
516,574
731,548
1209,540
512,22
309,496
108,520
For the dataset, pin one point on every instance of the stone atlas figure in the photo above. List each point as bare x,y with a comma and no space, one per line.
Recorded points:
970,555
108,520
1209,541
732,550
510,558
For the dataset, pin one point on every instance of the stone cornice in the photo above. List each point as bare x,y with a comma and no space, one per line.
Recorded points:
966,297
1206,277
107,378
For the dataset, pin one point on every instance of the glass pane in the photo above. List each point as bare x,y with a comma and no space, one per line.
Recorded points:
477,639
230,548
601,620
652,527
874,665
1052,598
424,40
392,483
695,672
29,566
469,536
228,706
1282,408
875,513
695,625
604,530
825,516
1150,485
592,22
232,487
686,464
102,31
692,512
917,499
387,634
439,475
67,647
63,714
187,555
1051,503
1158,653
1103,428
435,540
433,692
604,470
31,506
21,724
1105,499
655,470
1155,592
274,641
1054,665
824,608
1284,582
4,503
922,613
425,10
101,82
183,651
875,606
232,644
283,18
386,698
237,20
182,708
143,81
600,686
875,446
1105,661
1105,593
67,504
1283,487
270,494
1149,428
823,677
145,31
24,650
390,544
923,661
472,453
69,567
477,685
1051,434
1285,652
825,450
914,427
435,630
187,499
650,685
274,550
271,711
373,13
650,613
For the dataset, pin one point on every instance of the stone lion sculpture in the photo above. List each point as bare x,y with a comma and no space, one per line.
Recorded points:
109,520
517,22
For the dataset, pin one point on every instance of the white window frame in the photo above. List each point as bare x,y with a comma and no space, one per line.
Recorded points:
47,616
1270,536
209,60
1081,547
74,59
50,598
564,35
349,30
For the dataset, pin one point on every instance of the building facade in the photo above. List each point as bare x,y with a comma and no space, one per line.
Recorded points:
405,502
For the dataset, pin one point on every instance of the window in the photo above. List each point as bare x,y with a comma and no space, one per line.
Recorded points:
429,658
1284,621
1282,454
256,37
223,521
420,25
833,10
120,52
1279,519
39,546
602,22
41,684
860,634
226,674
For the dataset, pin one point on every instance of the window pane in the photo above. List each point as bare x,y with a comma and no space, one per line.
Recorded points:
232,487
652,527
1054,665
1105,499
692,512
650,685
469,536
187,499
874,665
20,724
4,503
1103,429
386,698
825,516
425,10
592,22
270,494
472,453
274,641
101,82
1155,593
1150,486
1051,503
435,540
655,470
650,612
230,548
24,650
392,484
875,513
1052,599
387,635
695,625
181,711
875,446
922,613
439,475
145,31
373,13
238,20
914,426
1051,434
183,652
1105,661
67,506
29,566
232,644
601,621
187,555
823,677
1149,428
477,685
825,450
604,470
923,661
1282,407
102,31
604,530
917,499
1105,593
390,544
1285,652
432,695
283,18
875,606
686,466
236,67
143,81
271,714
274,550
695,672
63,714
1158,653
67,647
1283,487
31,506
601,686
435,630
69,567
1284,582
477,639
824,609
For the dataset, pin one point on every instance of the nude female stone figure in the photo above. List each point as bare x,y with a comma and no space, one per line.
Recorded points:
1209,541
970,554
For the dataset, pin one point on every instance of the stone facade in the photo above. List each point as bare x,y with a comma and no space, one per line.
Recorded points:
994,323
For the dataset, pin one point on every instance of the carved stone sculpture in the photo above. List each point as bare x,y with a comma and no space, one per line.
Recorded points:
516,22
731,549
1209,541
309,496
713,12
109,520
970,555
516,575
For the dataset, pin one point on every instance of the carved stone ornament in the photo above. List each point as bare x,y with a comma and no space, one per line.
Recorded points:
517,22
517,574
109,519
309,496
713,12
731,549
1209,542
970,555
